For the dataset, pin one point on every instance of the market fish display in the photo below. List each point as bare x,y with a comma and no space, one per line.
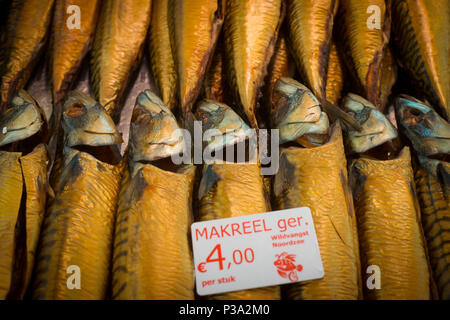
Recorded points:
335,75
250,32
194,26
26,35
420,32
231,189
161,57
376,128
77,233
363,43
152,257
310,27
316,177
429,135
69,46
118,42
23,185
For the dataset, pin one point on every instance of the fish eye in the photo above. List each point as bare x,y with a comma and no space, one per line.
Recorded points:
75,110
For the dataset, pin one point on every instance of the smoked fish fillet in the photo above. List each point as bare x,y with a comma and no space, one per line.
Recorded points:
194,26
23,185
152,256
250,32
231,190
77,233
317,178
389,227
161,57
420,32
118,42
363,47
435,204
26,30
70,46
310,28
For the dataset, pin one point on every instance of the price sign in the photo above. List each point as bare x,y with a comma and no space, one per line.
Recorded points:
254,251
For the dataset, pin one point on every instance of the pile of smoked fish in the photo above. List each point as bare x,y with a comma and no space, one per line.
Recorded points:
92,93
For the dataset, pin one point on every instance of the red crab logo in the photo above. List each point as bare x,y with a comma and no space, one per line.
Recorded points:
286,267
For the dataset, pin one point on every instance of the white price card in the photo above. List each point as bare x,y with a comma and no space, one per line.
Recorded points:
252,251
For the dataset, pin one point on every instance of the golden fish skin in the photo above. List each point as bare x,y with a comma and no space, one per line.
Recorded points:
117,49
310,25
390,233
152,258
317,178
250,32
233,190
335,76
161,57
69,46
281,65
26,34
387,78
78,230
435,206
194,27
214,84
363,47
420,31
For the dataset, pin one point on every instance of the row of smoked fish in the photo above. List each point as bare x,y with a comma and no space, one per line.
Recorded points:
370,161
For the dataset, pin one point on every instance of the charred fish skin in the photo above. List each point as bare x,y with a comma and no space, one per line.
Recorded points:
363,47
161,56
27,28
194,27
250,32
317,178
78,228
231,189
389,227
154,212
435,208
310,25
23,181
69,46
420,32
118,43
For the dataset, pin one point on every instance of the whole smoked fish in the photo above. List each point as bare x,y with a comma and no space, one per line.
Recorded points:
316,177
335,76
194,27
69,46
420,32
117,49
77,234
161,56
250,32
26,34
23,185
152,257
231,189
388,215
363,42
429,135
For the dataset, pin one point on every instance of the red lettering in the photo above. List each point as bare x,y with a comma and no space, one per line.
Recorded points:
244,226
299,223
291,222
223,230
265,228
204,233
214,233
235,227
256,225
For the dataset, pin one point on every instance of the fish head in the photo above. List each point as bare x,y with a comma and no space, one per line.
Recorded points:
221,125
376,127
86,122
427,131
23,119
297,113
154,131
